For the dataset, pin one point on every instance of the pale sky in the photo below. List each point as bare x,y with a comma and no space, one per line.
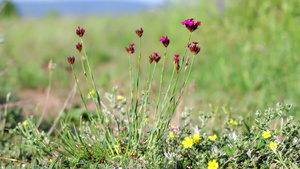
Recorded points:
143,1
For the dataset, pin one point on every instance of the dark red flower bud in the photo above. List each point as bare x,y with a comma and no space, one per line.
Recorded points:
156,57
191,25
151,58
194,48
165,41
176,59
178,68
130,49
187,62
139,32
80,32
79,47
71,60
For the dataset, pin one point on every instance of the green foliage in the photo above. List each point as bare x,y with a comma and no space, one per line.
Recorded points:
249,58
8,9
249,52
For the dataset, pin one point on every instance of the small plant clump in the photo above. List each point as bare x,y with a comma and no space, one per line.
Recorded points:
134,132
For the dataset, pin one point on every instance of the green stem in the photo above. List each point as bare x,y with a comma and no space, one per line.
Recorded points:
172,96
83,101
138,76
5,113
183,87
137,89
160,84
91,75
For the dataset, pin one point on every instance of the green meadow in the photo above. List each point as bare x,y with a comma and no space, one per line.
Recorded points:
249,60
249,52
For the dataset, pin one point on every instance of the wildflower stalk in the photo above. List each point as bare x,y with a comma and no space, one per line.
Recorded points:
90,115
91,75
47,99
131,81
160,84
144,103
5,113
134,112
148,89
138,75
96,91
171,96
182,89
97,94
169,87
71,94
181,63
83,101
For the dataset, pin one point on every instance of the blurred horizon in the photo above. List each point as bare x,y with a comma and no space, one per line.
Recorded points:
62,8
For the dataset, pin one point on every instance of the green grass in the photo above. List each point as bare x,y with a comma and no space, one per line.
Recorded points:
249,55
249,60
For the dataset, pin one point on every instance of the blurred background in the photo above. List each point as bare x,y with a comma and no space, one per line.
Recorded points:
249,59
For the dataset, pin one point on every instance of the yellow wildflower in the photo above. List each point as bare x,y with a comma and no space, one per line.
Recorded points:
96,127
196,138
25,123
187,142
92,92
212,164
273,145
233,122
214,137
266,134
50,160
171,134
120,97
146,120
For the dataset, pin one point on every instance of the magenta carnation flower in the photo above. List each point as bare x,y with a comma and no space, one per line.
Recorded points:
165,41
191,25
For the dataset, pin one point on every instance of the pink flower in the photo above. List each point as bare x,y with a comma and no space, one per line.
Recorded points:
163,38
130,49
176,59
194,48
165,41
156,57
191,25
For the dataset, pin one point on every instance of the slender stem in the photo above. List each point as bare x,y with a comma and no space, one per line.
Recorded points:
91,75
169,87
47,99
100,117
138,75
131,81
5,113
181,63
71,94
83,101
160,84
137,89
183,87
144,106
172,96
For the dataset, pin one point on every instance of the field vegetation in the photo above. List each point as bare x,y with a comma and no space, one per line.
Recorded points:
201,115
